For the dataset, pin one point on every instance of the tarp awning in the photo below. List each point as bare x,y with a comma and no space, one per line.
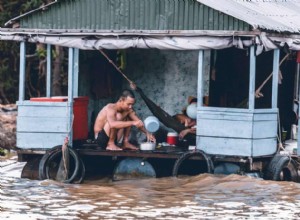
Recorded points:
160,42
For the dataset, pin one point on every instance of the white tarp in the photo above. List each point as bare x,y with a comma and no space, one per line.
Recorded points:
144,42
262,41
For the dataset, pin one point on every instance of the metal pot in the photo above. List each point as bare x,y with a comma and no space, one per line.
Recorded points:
147,146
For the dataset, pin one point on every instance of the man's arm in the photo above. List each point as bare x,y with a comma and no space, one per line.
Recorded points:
114,123
184,132
134,117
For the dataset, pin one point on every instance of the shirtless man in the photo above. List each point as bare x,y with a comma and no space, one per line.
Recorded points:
116,119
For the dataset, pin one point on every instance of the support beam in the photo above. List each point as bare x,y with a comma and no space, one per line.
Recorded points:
70,93
200,89
49,73
275,77
22,72
298,133
75,72
252,79
200,79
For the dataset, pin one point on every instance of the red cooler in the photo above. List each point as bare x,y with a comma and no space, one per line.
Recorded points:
80,111
172,138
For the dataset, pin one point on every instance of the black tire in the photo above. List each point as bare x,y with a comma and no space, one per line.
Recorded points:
81,174
42,167
58,155
282,168
189,155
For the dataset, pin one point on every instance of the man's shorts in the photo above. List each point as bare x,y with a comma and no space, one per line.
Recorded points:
102,139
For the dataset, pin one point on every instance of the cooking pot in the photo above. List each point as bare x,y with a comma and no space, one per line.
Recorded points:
147,146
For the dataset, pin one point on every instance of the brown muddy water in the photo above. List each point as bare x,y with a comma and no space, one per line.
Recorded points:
198,197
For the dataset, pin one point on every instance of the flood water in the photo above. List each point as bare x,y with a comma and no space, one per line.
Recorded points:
198,197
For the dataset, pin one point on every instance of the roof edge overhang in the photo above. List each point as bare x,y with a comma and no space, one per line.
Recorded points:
158,39
76,32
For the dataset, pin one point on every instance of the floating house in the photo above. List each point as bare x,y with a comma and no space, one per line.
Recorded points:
220,50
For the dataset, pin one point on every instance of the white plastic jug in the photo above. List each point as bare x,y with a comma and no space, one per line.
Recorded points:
151,124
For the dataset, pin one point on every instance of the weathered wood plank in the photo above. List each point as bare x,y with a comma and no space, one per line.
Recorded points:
201,115
42,124
264,129
265,117
225,146
264,146
39,140
224,128
36,103
42,111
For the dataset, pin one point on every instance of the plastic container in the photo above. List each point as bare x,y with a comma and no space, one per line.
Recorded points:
80,111
151,124
147,146
191,111
172,138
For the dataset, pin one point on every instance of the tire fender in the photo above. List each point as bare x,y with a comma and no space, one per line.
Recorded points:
188,155
282,168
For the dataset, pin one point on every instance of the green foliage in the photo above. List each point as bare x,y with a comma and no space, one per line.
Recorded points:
2,152
9,50
12,8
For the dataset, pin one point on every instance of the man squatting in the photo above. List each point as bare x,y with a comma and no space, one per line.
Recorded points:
114,122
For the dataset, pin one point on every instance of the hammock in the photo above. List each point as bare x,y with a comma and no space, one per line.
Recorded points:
163,116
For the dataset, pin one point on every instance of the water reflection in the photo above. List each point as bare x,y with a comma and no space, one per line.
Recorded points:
198,197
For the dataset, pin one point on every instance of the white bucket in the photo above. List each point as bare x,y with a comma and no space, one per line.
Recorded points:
151,124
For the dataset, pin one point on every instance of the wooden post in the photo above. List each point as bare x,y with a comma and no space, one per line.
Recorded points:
200,79
252,79
70,93
22,72
275,77
75,72
48,80
200,89
298,133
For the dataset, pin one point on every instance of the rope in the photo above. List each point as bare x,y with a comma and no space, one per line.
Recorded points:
114,65
65,147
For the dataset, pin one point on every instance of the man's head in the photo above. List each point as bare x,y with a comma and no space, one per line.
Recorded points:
126,100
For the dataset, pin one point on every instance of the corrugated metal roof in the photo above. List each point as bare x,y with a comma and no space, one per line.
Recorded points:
275,15
130,15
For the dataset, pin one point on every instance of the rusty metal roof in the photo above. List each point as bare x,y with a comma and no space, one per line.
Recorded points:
273,15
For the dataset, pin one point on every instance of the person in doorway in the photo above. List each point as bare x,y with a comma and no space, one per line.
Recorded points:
188,122
114,122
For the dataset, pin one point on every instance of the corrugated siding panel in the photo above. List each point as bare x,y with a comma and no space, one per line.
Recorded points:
132,15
